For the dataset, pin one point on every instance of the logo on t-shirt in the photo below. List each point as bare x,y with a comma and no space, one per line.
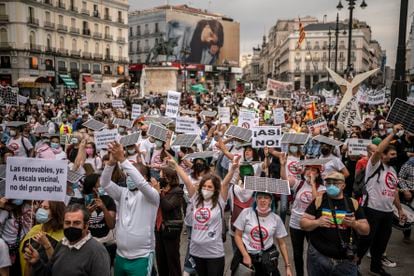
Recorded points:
256,235
14,147
293,168
202,215
391,180
306,197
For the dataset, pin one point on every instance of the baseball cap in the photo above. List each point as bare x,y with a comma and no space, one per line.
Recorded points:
335,176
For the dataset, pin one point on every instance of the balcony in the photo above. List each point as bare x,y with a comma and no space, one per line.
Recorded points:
87,55
34,22
121,20
49,25
120,39
109,58
5,45
62,28
316,47
97,71
63,52
122,59
75,53
86,32
4,18
108,37
61,5
97,35
86,70
62,69
35,48
316,58
74,30
74,9
48,2
146,32
97,56
107,17
96,14
85,11
50,50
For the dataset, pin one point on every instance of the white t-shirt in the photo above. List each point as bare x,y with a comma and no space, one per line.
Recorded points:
242,195
302,200
96,162
4,255
271,226
10,225
381,193
188,220
292,167
17,147
335,165
206,240
145,147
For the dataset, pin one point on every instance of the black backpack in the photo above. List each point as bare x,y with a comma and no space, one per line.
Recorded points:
359,187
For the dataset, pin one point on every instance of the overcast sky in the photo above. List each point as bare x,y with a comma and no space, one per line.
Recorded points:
257,16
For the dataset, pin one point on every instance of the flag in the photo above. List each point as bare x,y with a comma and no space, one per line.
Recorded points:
310,113
302,34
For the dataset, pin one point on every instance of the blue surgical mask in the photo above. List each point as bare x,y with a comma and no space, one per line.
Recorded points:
88,199
293,149
389,130
332,190
158,143
54,145
130,183
17,202
101,191
42,215
75,186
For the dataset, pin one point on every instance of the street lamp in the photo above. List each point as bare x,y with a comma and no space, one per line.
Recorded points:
337,41
329,50
351,7
185,53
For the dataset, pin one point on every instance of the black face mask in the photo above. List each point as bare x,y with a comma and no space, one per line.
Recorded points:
199,167
72,233
143,133
325,151
163,182
393,162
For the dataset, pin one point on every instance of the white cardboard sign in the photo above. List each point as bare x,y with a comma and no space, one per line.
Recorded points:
187,125
331,101
278,116
224,115
36,179
247,119
266,136
136,111
173,104
117,104
358,146
102,138
248,102
318,123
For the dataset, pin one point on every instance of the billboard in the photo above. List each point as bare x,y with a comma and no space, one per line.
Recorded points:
207,40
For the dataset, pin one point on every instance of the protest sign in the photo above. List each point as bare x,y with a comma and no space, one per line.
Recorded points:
318,123
102,138
36,179
98,92
22,99
350,115
327,93
117,103
280,90
358,146
173,104
224,115
136,111
266,136
371,97
187,125
261,94
249,102
247,119
278,116
331,101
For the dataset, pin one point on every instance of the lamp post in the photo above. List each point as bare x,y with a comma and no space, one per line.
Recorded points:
399,85
329,50
351,7
185,52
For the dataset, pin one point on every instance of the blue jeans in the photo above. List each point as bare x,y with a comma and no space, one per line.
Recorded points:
319,264
189,265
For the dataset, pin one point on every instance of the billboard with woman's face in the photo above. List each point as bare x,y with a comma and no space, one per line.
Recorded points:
206,40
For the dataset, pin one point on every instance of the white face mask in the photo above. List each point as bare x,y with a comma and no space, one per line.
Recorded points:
263,210
207,194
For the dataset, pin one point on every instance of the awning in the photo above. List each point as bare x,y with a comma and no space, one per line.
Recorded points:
68,81
33,82
87,79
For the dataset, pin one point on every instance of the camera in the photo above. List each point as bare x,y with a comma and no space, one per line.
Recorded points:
349,250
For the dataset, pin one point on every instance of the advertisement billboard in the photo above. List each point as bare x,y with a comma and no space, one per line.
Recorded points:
205,39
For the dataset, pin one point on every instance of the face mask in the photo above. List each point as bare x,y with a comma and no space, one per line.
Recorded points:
101,191
325,151
158,144
72,233
393,161
207,194
293,149
400,133
264,210
54,145
332,191
89,151
13,133
74,141
42,215
17,202
131,151
199,167
143,133
307,179
381,126
130,183
88,199
389,130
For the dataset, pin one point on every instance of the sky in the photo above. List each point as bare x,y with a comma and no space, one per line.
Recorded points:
256,17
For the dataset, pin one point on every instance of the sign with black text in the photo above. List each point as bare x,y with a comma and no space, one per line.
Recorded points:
266,136
173,104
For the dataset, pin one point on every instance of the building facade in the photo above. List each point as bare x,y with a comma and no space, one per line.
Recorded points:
250,64
306,65
81,40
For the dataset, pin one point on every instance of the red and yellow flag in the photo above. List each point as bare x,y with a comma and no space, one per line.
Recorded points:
310,113
302,34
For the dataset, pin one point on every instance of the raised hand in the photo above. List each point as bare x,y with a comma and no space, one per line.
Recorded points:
117,151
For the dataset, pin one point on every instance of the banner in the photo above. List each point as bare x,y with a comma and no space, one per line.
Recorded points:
371,97
173,104
136,111
266,136
247,119
358,146
278,116
117,103
187,125
318,123
98,92
261,94
350,115
36,179
281,90
22,99
249,102
327,93
102,138
224,115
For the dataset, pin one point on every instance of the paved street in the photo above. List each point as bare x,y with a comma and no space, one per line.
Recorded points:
397,251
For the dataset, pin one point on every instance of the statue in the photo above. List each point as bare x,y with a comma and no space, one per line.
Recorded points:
162,48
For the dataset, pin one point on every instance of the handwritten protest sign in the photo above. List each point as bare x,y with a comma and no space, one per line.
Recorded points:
117,103
102,138
350,115
278,116
331,101
247,102
371,97
318,123
224,115
173,104
187,125
36,179
136,111
358,146
266,136
247,119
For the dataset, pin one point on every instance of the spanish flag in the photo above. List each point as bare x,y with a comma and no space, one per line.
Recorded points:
302,34
310,113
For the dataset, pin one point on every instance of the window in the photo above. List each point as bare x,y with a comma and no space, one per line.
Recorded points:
138,30
62,42
97,48
85,67
33,63
138,46
60,19
74,45
156,41
146,43
106,30
73,66
107,51
2,9
156,28
47,16
32,39
86,46
146,28
131,46
5,62
324,55
49,42
73,22
31,13
119,15
341,54
49,64
84,5
96,68
96,28
106,12
130,31
119,32
120,50
61,64
3,36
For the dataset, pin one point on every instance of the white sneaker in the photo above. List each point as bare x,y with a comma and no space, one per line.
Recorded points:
387,262
369,254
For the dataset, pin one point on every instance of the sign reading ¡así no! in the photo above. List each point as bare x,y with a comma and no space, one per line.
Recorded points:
36,179
266,136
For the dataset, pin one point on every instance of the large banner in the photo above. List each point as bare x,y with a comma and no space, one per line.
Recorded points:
36,179
209,40
350,115
279,89
371,97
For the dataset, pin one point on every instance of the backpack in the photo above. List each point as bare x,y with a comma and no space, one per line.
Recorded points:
359,187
